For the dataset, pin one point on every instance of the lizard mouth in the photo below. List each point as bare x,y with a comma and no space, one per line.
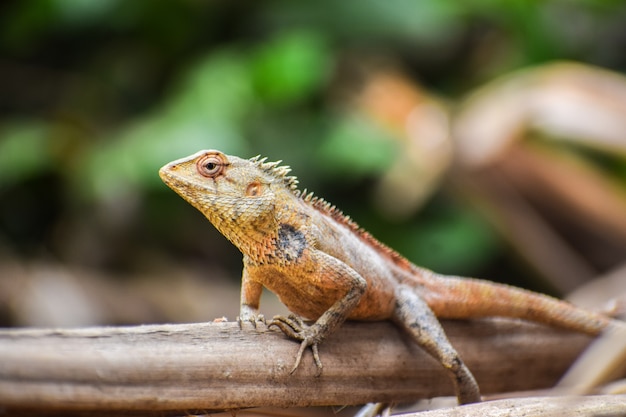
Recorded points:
175,177
168,177
179,183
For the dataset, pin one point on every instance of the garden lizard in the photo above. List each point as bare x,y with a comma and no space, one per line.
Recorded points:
325,268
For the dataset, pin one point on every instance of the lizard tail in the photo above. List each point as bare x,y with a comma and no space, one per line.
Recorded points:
461,298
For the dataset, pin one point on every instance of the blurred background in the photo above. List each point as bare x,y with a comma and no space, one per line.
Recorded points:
480,138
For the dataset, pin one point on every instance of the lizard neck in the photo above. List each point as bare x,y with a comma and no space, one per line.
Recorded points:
269,236
252,233
254,239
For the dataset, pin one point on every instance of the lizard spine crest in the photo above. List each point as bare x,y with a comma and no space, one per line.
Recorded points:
323,206
277,171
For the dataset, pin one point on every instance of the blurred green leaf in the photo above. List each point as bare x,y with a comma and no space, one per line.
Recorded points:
401,20
356,147
81,12
452,241
205,111
291,67
217,89
24,151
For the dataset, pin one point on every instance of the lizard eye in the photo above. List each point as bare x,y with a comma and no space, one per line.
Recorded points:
211,165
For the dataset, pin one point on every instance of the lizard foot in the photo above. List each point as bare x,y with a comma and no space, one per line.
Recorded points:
254,319
294,328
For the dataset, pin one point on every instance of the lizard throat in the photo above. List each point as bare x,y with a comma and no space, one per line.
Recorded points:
255,238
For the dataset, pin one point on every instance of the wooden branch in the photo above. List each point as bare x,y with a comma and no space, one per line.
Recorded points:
566,406
165,369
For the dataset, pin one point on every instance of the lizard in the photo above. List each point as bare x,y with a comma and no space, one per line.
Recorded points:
325,268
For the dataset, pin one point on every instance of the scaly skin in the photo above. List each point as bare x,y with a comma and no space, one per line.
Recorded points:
323,267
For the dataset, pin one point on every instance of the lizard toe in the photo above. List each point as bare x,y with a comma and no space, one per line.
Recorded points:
309,336
287,329
252,319
292,326
316,356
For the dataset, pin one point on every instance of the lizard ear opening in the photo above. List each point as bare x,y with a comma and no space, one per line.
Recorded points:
253,189
211,165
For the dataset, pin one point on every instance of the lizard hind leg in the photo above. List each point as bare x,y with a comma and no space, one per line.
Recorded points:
415,317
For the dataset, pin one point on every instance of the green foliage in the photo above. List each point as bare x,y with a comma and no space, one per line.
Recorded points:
455,241
290,68
104,92
357,147
204,111
16,165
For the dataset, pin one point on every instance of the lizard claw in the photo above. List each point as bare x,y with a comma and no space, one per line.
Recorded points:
294,328
316,356
292,325
253,319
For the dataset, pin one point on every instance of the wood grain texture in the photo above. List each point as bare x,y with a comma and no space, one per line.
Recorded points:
167,369
566,406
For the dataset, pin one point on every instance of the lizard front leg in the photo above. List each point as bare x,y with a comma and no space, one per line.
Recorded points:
250,300
413,314
334,272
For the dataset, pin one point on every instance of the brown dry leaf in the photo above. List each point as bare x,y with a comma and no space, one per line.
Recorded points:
561,213
602,361
571,101
420,122
593,406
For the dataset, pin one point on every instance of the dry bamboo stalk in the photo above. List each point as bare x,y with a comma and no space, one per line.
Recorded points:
163,369
566,406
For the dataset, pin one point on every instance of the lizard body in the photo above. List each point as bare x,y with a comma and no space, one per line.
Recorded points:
323,267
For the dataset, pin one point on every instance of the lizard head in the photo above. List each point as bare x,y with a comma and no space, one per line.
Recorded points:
237,195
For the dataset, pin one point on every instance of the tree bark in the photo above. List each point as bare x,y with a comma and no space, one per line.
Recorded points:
187,368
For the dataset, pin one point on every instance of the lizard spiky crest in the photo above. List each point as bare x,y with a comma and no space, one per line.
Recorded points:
277,171
280,172
333,212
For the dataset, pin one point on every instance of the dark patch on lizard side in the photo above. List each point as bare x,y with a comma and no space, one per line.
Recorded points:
326,208
290,243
